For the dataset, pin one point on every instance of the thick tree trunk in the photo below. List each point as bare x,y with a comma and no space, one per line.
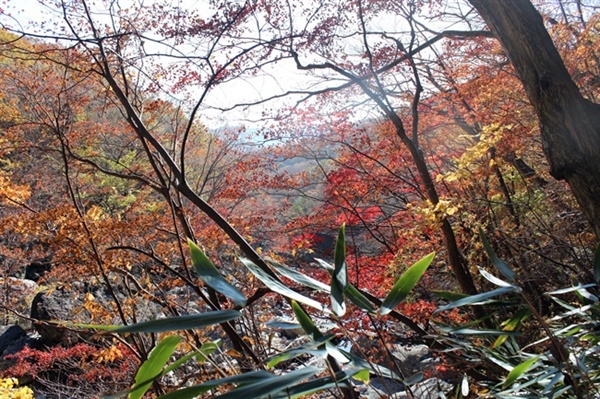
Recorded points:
570,124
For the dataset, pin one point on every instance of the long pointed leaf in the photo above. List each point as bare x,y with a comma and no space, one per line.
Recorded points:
339,278
450,295
280,288
164,371
152,367
196,390
207,349
321,384
351,291
471,331
306,322
511,325
359,299
502,267
325,265
271,386
516,372
300,278
186,322
405,284
210,276
477,299
311,347
493,279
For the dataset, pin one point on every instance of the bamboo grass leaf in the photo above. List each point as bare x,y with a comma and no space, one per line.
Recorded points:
502,267
196,390
300,278
210,275
152,367
339,278
323,383
272,386
518,371
477,299
359,299
306,322
187,322
280,288
405,284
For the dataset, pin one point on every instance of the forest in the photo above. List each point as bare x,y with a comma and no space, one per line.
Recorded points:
321,199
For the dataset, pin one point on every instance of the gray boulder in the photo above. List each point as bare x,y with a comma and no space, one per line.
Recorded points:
52,306
17,297
70,305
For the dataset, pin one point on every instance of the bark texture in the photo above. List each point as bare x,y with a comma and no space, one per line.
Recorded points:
569,124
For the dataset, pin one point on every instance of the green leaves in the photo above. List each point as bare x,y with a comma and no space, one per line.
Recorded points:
300,278
196,390
340,286
152,367
305,321
339,278
269,387
186,322
352,293
320,384
210,276
478,299
517,371
511,325
405,284
502,267
359,299
281,288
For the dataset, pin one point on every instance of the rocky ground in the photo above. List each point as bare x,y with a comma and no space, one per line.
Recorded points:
59,303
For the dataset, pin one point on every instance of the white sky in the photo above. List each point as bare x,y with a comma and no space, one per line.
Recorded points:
283,76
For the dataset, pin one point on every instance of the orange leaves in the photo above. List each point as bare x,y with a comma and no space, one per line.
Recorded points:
11,194
109,355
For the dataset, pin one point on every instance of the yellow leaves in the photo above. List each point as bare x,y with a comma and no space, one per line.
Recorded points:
109,355
235,354
97,311
473,158
9,390
94,213
434,214
10,193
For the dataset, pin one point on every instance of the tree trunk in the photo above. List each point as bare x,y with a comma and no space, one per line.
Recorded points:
569,124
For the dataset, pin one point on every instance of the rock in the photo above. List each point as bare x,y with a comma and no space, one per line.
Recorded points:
287,327
77,305
14,339
18,295
412,358
382,388
432,388
378,388
55,305
36,270
10,336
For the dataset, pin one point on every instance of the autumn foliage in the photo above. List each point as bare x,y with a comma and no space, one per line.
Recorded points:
416,141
